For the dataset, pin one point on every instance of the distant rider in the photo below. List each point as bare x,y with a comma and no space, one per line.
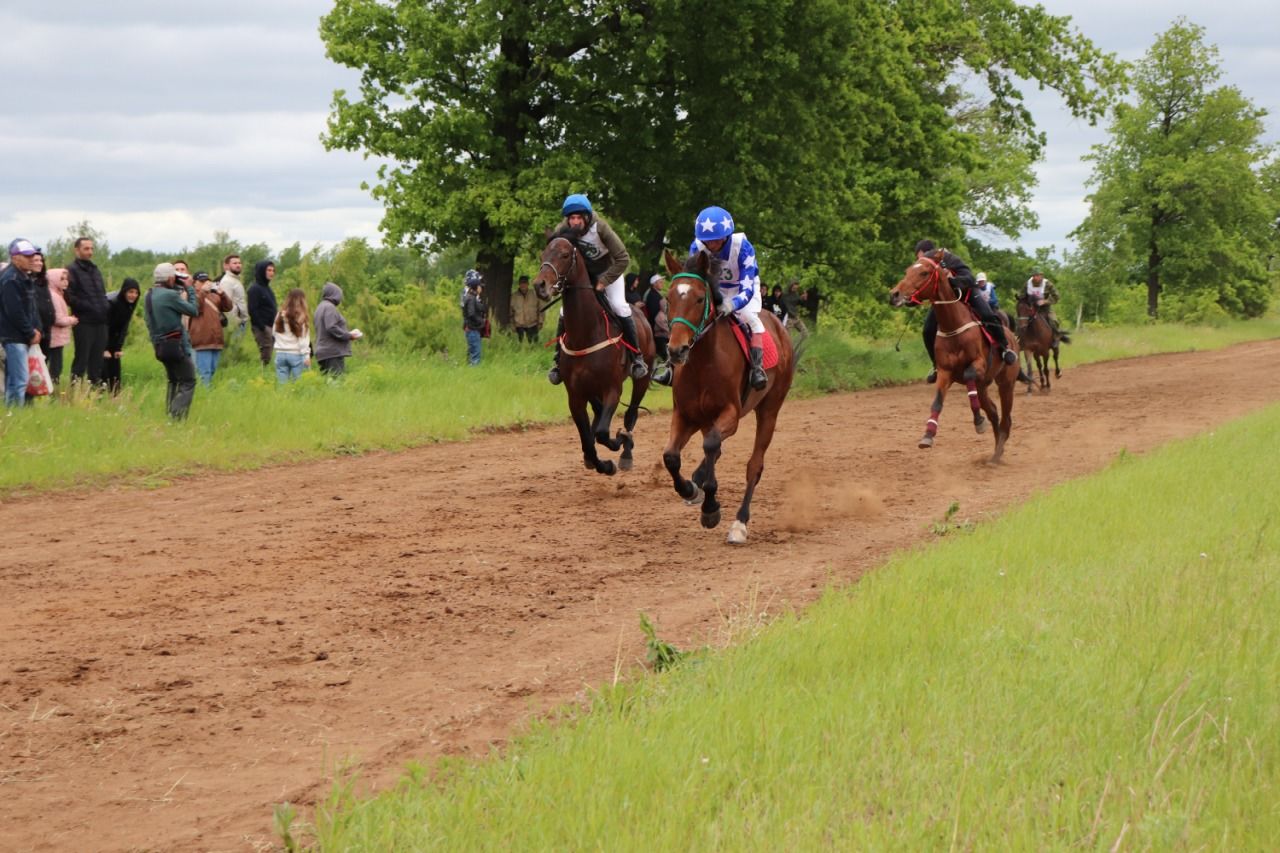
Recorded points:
963,282
607,261
988,290
739,283
1042,296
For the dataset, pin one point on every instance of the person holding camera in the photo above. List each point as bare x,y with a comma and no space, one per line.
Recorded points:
207,337
167,302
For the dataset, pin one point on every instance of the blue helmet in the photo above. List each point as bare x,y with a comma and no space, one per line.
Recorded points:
472,278
576,203
713,223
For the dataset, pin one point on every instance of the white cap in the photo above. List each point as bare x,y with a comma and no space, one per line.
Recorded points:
655,278
982,276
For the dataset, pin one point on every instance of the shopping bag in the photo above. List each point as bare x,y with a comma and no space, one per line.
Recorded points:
39,381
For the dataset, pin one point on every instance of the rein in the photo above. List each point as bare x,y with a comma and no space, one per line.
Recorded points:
703,327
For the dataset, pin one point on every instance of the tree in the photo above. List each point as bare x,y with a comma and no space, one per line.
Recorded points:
60,250
1179,202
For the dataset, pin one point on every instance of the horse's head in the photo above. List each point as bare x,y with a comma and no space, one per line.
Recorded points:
690,301
920,283
561,264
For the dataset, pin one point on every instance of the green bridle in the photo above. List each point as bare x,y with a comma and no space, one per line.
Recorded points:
706,304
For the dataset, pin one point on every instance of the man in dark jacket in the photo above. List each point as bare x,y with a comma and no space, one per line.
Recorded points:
19,320
474,315
963,281
263,308
87,298
333,341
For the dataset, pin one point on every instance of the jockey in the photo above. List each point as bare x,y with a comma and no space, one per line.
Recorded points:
962,281
1041,291
739,284
987,289
607,261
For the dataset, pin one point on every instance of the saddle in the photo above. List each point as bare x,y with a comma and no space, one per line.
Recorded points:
742,332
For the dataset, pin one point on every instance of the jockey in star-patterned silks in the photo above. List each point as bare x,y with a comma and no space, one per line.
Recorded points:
739,282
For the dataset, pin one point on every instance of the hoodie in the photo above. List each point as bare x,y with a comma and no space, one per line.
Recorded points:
332,338
262,299
119,313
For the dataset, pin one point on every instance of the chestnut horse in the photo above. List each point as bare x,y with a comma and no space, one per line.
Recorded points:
710,391
962,353
594,362
1036,338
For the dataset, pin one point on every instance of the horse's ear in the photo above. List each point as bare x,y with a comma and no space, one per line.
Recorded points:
548,234
673,266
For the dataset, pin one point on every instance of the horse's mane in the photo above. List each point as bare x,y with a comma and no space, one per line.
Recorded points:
713,271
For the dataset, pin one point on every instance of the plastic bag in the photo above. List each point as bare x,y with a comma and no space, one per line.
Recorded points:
39,382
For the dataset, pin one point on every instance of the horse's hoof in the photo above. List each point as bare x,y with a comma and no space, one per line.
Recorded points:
695,499
624,463
737,533
925,442
607,468
710,519
980,425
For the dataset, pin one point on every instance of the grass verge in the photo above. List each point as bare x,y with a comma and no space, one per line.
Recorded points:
1098,669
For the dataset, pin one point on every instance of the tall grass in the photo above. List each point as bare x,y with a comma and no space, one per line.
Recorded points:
393,400
1098,668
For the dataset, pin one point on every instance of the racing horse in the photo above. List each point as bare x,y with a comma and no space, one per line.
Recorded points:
594,360
962,354
1037,339
709,389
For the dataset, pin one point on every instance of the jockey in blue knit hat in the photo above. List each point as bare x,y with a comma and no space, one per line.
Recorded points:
739,283
607,261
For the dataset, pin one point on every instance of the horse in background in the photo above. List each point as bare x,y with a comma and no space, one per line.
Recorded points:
596,362
962,353
710,393
1037,340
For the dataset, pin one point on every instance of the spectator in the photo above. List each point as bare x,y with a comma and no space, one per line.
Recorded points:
121,305
791,308
168,301
44,301
655,306
206,326
231,285
474,315
263,309
812,302
631,290
526,314
773,302
19,319
292,337
87,298
333,341
60,328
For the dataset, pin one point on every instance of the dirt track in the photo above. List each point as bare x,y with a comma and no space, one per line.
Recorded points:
162,690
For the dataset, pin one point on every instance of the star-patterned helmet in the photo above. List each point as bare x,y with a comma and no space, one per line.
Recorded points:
472,278
713,223
576,203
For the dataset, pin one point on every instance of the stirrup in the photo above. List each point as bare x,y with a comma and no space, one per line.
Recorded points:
663,375
553,375
639,370
758,379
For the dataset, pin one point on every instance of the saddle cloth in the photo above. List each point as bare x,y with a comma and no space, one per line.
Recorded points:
770,348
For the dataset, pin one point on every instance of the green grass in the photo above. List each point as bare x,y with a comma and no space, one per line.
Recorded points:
1101,664
391,401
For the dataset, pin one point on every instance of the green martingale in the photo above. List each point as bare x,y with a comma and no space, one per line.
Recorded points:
1098,669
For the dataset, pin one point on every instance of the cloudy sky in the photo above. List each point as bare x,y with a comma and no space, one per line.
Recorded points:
163,122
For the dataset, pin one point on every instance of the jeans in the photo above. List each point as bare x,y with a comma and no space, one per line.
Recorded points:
289,366
207,363
473,347
15,374
182,386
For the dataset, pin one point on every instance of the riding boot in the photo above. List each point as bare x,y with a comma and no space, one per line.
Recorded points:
639,370
758,379
553,375
997,332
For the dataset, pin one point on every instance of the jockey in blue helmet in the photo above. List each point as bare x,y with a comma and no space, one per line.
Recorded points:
739,283
607,261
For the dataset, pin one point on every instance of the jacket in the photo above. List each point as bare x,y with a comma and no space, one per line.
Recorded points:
333,340
607,259
60,331
86,294
164,314
524,309
206,327
233,287
474,313
120,314
287,342
262,299
18,317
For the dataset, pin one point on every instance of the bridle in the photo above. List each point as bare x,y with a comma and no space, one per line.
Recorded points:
707,320
562,278
935,280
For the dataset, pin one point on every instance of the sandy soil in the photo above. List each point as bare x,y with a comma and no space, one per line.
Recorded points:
176,661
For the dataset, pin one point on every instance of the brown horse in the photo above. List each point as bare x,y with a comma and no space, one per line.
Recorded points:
710,390
962,352
1037,339
595,362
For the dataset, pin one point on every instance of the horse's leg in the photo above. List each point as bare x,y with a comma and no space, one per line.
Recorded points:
766,421
1042,360
939,397
604,419
638,389
592,460
712,442
1057,371
971,384
1029,359
678,438
1006,384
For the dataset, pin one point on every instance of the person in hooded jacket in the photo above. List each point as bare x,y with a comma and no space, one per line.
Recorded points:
333,340
60,329
44,302
120,307
263,309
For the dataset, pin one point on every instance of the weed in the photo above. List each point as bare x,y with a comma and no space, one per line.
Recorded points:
661,655
946,525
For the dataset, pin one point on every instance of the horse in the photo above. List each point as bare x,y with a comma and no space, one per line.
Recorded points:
710,391
962,352
1037,339
594,363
